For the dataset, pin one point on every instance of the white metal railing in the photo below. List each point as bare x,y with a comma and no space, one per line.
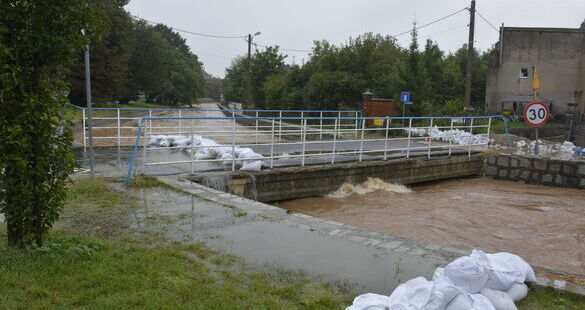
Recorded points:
289,141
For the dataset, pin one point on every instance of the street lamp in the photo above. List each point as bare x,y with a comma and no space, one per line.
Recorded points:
250,36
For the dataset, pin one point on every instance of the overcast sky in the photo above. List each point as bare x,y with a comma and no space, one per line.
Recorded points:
294,24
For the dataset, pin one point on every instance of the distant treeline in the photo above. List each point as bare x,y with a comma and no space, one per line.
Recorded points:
336,76
134,58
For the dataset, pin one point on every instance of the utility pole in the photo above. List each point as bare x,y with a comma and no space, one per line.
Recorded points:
249,103
89,119
469,73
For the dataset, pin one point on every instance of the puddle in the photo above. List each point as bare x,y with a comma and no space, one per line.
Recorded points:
260,241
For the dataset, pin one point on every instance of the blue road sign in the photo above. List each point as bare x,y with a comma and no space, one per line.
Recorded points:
409,102
405,96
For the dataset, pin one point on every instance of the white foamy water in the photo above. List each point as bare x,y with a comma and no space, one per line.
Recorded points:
369,186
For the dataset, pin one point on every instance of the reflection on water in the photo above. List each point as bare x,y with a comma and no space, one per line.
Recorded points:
257,240
545,225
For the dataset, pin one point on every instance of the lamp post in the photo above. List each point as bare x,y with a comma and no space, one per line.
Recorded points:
250,36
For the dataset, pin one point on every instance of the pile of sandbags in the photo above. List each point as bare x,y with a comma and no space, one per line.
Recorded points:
455,136
244,158
477,282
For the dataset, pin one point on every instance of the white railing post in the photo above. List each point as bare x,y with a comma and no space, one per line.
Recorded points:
302,121
145,145
409,133
118,127
272,145
84,134
386,138
451,140
487,145
334,142
430,138
150,121
256,133
356,123
180,122
234,144
279,124
192,146
470,138
362,140
339,123
321,125
304,137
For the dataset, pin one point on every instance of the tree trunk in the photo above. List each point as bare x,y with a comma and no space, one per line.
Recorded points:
15,237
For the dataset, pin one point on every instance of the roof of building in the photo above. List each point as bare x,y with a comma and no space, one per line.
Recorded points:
536,29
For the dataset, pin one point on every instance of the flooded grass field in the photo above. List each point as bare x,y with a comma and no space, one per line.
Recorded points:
544,225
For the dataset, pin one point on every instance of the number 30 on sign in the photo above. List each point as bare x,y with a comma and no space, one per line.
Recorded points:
536,114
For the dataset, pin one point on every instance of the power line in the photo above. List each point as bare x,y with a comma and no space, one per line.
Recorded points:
428,24
191,32
487,21
285,49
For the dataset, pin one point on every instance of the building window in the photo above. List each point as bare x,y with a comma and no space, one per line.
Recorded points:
524,73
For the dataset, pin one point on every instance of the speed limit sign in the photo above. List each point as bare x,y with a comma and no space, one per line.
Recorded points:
536,114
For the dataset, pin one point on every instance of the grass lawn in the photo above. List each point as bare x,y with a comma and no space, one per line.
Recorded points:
82,266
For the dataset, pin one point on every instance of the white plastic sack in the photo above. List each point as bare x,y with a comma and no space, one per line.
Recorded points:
438,274
470,302
370,302
500,300
442,294
517,262
501,274
252,166
518,291
413,294
467,273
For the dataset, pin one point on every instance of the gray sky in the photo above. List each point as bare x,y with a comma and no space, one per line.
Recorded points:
294,24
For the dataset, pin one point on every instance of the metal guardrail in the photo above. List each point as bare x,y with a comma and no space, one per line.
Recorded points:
121,124
306,141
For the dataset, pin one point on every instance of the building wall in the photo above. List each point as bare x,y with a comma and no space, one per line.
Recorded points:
559,56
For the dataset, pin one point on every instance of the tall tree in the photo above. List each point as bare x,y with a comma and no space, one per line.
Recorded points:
38,40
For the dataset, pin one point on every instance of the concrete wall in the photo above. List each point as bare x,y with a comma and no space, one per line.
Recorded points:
537,170
300,182
559,55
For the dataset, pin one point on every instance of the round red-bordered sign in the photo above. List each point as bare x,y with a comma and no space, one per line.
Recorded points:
536,114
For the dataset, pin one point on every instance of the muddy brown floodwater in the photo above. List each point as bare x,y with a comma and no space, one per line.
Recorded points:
544,225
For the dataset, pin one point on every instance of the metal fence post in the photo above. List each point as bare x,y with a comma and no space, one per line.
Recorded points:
470,138
84,134
234,144
304,137
409,134
144,146
430,138
334,142
256,132
180,122
118,127
279,124
321,125
150,121
339,123
487,145
386,137
451,140
192,146
356,123
362,139
272,145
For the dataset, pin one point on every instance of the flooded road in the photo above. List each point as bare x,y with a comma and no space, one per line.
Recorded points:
544,225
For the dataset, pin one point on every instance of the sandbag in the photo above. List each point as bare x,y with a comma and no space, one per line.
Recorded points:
413,294
501,274
442,293
518,291
517,262
500,300
470,302
438,274
467,273
370,302
252,166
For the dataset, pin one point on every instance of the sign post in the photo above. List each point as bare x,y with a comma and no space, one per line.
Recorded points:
536,114
405,98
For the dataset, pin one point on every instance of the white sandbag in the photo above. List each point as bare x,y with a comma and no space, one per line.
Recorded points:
413,294
500,300
370,302
252,166
467,273
518,291
227,159
438,274
442,293
501,275
517,262
470,302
